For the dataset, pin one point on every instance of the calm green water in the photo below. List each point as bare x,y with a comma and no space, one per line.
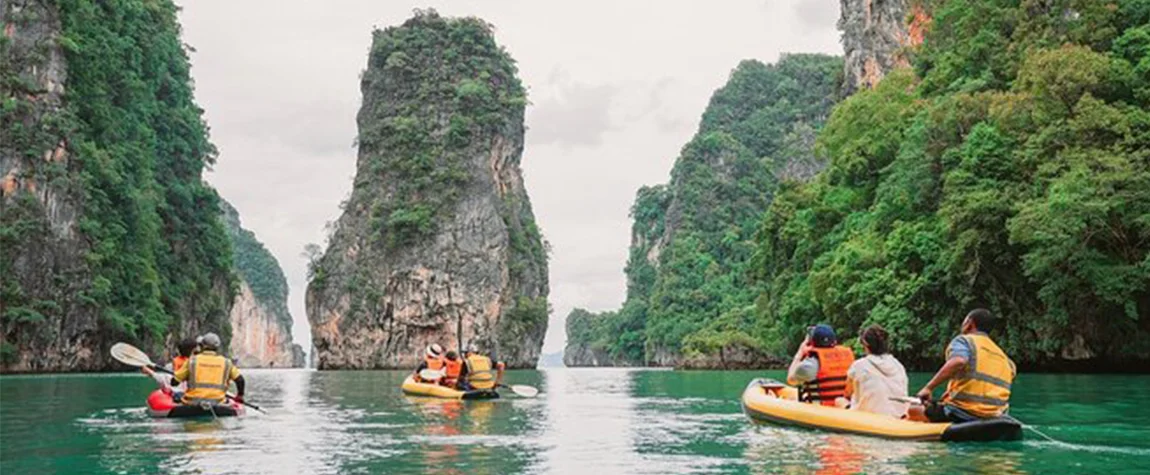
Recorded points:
586,421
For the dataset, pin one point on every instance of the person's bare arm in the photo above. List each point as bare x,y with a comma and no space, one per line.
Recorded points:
951,368
800,356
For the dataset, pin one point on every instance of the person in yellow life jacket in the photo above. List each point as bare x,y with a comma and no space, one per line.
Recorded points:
478,371
209,374
432,360
452,369
820,366
978,372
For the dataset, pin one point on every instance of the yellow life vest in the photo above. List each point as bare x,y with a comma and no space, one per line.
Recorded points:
208,378
983,389
479,373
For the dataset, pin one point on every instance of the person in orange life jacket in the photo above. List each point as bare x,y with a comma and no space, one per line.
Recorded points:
819,367
432,360
453,369
184,350
979,374
478,371
209,374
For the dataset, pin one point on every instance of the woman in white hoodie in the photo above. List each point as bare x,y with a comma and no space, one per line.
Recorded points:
875,378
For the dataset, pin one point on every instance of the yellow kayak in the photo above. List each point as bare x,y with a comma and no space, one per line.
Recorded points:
768,401
416,388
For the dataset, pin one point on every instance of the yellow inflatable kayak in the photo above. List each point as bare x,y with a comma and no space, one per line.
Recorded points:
416,388
769,401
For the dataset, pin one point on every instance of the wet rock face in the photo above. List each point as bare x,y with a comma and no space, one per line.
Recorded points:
259,338
437,242
876,36
260,320
48,245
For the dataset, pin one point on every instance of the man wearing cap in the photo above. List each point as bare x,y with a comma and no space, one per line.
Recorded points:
478,371
208,374
820,367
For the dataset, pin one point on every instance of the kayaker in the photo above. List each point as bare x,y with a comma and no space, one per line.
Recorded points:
209,374
184,350
979,375
452,369
432,360
478,371
819,367
877,377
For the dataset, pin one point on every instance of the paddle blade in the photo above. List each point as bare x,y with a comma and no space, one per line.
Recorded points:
906,399
130,355
523,390
430,375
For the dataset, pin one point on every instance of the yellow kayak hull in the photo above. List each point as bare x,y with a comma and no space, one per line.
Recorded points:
415,388
770,402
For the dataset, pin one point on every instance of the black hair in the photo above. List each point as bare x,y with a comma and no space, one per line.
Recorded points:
451,355
187,346
983,320
876,339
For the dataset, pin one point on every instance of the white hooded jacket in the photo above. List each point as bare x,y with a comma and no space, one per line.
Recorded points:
874,379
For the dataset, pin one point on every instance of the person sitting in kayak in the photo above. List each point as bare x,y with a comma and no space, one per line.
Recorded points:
452,369
184,351
432,360
478,371
874,379
979,375
209,374
819,367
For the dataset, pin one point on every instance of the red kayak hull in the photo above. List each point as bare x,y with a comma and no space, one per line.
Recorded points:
161,404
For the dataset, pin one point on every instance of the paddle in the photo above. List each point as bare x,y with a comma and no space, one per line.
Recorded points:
430,375
132,356
241,401
521,389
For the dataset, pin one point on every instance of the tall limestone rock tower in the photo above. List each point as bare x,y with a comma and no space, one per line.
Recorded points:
437,242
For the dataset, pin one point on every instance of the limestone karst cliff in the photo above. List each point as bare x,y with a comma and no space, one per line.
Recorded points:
260,321
437,241
878,36
107,230
688,296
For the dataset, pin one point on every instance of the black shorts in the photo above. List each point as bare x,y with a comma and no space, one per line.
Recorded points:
938,413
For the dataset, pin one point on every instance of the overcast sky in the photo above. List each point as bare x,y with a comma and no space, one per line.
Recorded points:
616,89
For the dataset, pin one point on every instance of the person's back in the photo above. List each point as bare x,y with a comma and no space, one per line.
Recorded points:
453,369
978,373
877,377
480,373
432,360
983,390
208,374
820,367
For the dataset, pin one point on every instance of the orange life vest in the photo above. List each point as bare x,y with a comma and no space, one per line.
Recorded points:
179,362
454,368
831,380
434,363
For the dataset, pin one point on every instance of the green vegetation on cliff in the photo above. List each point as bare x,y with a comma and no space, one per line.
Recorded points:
258,267
1009,169
465,85
692,238
154,251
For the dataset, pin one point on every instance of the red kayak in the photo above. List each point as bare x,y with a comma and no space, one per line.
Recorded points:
161,404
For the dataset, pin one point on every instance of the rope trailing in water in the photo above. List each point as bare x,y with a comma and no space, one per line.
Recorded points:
1036,431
